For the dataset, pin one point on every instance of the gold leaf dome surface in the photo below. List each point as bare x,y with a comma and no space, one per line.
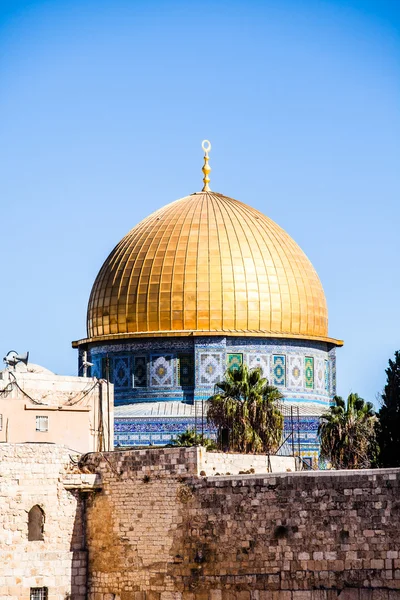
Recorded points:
206,265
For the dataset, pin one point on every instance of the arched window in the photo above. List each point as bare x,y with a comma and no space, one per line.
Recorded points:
35,524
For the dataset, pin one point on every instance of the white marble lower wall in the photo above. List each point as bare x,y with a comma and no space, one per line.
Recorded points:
221,463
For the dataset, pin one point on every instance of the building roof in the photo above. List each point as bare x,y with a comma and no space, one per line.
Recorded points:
175,409
207,265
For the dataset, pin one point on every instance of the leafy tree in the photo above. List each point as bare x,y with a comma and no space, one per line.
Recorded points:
245,406
191,438
389,416
347,433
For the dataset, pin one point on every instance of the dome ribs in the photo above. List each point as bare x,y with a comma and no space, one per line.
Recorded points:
202,285
136,265
214,258
226,218
147,317
276,308
190,277
207,264
262,250
176,284
132,252
252,315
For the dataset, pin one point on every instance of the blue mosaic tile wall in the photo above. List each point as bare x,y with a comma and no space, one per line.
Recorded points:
148,370
158,431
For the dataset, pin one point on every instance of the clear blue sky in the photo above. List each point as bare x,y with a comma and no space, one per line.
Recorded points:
104,104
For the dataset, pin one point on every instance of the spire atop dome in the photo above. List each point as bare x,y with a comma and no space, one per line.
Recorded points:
206,145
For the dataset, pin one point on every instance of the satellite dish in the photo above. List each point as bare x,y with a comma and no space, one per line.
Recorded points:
12,358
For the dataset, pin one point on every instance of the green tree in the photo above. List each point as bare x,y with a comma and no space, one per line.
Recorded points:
245,406
389,416
347,433
190,438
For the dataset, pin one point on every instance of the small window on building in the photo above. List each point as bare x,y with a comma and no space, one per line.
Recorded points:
35,524
106,369
42,423
39,593
185,370
140,372
1,422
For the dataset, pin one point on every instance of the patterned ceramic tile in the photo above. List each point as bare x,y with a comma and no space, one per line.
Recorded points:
210,368
261,361
161,430
319,374
121,372
333,374
279,370
309,371
95,369
234,361
326,375
208,371
161,371
295,371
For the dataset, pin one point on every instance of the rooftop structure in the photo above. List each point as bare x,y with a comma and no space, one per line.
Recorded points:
38,406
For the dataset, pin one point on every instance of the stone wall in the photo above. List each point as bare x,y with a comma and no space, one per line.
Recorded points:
143,525
225,463
157,531
33,474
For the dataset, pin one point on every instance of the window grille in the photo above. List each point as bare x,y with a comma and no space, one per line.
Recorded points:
42,423
38,593
106,369
139,378
185,370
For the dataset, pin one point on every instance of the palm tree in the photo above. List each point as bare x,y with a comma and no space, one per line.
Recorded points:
190,438
244,404
347,433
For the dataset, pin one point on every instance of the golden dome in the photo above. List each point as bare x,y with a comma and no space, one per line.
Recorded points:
207,264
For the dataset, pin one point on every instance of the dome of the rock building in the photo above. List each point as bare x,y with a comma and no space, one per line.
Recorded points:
207,265
198,289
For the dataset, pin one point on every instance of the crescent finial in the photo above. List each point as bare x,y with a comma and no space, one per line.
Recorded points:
206,145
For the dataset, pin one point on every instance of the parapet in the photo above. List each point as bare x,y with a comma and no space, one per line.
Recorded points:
184,462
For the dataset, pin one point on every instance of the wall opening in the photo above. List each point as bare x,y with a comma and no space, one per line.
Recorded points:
40,593
35,525
42,423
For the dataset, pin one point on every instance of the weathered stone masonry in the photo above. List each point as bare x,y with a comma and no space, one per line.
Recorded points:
42,475
144,525
157,531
